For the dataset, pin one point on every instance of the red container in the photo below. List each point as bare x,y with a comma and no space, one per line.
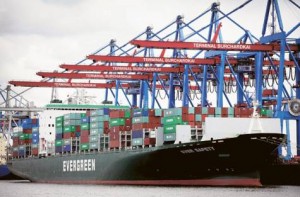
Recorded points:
147,141
211,111
185,110
114,136
84,133
128,122
28,141
236,112
198,124
224,111
114,144
116,113
34,121
198,110
151,112
84,139
192,124
188,117
106,124
203,117
136,127
224,115
27,131
35,151
106,131
154,120
21,142
88,113
77,128
152,141
15,154
69,135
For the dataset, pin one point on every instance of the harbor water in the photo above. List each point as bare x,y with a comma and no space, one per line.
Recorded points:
27,189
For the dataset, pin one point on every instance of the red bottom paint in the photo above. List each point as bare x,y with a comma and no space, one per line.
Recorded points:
196,182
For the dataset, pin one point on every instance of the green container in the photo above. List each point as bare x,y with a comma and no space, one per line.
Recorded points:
22,137
218,110
127,113
263,112
35,129
269,113
68,129
96,131
59,125
117,122
137,141
172,120
34,145
97,125
158,112
16,134
59,130
59,119
191,110
172,112
58,142
84,126
230,111
93,145
97,112
99,118
84,146
198,117
170,129
204,110
67,141
169,137
94,138
142,119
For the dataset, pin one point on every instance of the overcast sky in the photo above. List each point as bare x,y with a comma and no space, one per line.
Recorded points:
40,35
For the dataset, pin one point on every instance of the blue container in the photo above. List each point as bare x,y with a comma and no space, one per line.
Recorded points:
137,134
58,149
26,126
140,112
35,140
77,134
105,111
58,136
27,121
35,130
35,134
85,120
67,147
21,153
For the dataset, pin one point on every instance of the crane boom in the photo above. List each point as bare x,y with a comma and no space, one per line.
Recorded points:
152,60
210,46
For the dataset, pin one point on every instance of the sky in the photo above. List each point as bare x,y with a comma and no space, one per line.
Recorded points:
39,35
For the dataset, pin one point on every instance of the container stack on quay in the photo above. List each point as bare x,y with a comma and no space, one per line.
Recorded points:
26,138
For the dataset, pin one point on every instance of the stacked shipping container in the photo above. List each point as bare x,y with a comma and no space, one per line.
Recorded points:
112,128
120,128
24,143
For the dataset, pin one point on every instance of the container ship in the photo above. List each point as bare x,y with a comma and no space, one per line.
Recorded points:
186,146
